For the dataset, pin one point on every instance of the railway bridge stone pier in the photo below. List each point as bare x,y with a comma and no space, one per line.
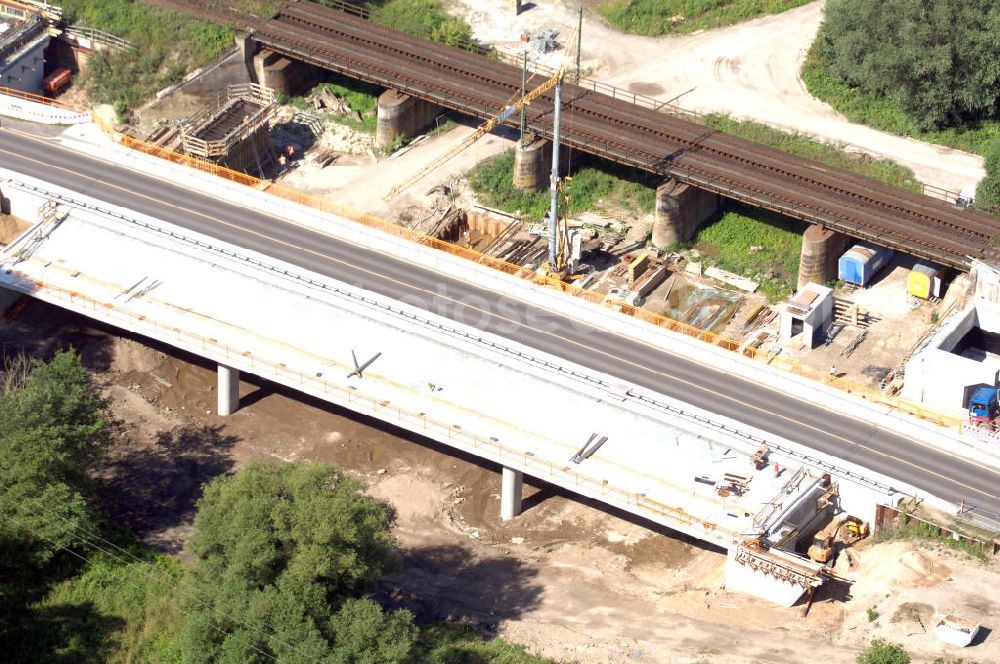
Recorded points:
400,115
680,209
282,74
532,163
821,248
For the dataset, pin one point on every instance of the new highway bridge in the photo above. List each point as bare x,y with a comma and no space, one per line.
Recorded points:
635,136
815,425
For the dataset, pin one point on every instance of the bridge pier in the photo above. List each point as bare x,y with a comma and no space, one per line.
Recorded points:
283,75
532,164
821,248
229,390
680,209
511,488
401,115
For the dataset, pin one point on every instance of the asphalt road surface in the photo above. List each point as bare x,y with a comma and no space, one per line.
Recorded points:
946,476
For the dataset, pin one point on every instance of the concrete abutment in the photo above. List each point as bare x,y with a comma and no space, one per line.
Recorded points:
400,115
511,489
821,248
680,209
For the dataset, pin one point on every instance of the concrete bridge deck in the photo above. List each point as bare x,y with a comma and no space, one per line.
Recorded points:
820,420
474,391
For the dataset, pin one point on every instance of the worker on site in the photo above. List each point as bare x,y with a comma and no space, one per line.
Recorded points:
833,370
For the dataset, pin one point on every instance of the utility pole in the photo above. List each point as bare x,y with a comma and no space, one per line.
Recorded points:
554,182
579,41
524,82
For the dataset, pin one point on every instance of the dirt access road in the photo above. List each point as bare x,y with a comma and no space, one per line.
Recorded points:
567,579
750,71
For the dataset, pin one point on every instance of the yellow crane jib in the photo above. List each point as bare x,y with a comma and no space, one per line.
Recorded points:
481,131
487,126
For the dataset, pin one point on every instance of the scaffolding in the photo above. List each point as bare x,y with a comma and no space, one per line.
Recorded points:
237,134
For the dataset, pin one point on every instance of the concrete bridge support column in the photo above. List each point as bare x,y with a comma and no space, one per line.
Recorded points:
283,75
229,390
248,48
821,249
511,487
680,209
532,164
402,115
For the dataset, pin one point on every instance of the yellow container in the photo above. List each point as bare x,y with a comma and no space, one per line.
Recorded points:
924,281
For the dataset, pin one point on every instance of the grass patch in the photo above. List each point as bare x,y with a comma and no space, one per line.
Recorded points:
924,532
596,186
441,643
165,46
803,146
661,17
885,115
109,610
360,96
262,8
761,245
421,18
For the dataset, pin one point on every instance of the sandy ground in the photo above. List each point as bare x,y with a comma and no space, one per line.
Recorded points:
568,579
750,71
362,182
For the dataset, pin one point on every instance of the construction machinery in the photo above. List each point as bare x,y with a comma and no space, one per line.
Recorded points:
842,529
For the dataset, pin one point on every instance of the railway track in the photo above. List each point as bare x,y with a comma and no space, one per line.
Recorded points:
636,136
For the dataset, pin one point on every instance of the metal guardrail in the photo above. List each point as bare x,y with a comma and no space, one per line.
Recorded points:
979,517
78,32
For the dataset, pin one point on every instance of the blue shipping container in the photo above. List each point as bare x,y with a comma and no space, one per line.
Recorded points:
862,262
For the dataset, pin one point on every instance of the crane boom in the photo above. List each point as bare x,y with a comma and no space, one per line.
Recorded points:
486,127
481,131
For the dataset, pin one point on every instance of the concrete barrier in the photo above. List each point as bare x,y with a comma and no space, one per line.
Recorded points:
34,111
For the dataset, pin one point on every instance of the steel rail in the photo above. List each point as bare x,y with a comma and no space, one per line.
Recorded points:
637,137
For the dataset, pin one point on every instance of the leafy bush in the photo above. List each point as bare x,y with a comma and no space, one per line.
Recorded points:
936,60
660,17
881,651
289,552
165,46
52,429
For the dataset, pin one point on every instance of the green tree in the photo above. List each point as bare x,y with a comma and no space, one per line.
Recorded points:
938,59
52,429
289,552
881,651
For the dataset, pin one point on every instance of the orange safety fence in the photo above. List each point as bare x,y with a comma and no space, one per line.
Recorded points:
771,359
38,99
265,368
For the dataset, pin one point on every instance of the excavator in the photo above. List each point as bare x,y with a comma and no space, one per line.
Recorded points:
844,529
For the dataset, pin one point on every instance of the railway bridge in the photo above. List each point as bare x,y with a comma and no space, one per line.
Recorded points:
682,151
